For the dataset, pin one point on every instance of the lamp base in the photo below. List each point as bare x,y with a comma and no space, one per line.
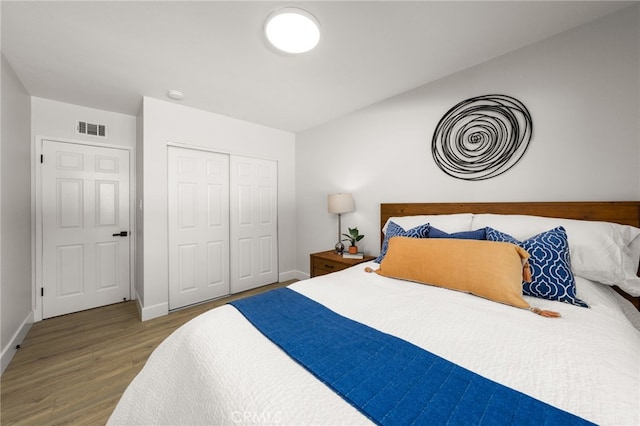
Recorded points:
339,247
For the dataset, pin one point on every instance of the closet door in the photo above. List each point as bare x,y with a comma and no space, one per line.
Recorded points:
254,222
198,208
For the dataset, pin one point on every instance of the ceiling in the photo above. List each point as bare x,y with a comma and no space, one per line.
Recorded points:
109,54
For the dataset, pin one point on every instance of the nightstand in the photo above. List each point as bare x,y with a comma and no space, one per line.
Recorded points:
329,261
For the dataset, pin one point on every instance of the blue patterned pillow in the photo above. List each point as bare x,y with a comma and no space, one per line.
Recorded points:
395,230
551,276
478,234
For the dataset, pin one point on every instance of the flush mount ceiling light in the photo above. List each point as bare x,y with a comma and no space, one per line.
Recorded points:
292,30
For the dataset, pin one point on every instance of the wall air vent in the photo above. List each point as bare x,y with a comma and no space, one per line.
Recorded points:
84,128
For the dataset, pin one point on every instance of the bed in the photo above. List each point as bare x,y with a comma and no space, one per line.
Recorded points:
219,369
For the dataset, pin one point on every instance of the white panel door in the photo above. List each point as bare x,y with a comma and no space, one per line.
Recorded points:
254,222
85,225
198,226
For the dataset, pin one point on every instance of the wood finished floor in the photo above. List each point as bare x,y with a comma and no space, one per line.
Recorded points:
72,370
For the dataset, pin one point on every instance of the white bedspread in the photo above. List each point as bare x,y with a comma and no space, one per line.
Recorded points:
218,369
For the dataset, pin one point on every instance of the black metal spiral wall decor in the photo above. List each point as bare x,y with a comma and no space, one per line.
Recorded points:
482,137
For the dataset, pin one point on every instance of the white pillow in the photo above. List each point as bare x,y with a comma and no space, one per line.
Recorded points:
445,222
600,251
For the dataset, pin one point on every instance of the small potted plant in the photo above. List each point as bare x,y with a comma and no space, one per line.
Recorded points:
353,237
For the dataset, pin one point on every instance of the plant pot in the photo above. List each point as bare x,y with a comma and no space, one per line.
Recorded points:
353,249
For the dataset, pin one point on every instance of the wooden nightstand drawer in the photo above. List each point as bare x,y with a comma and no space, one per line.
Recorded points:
329,261
324,266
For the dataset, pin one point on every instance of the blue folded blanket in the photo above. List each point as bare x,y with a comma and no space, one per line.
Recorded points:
391,381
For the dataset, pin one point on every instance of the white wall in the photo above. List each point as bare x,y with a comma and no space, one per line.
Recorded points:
170,122
582,88
139,240
15,198
58,120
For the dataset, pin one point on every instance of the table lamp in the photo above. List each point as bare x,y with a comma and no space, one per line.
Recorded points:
338,204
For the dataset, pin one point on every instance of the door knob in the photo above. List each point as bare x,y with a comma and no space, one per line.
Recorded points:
121,234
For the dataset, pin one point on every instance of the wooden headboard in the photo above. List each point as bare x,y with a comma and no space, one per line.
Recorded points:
623,212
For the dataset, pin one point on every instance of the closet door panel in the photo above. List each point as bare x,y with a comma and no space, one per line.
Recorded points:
198,208
254,225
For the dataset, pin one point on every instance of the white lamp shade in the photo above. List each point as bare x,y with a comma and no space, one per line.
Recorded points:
340,203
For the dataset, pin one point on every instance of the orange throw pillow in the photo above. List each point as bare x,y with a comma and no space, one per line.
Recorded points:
489,269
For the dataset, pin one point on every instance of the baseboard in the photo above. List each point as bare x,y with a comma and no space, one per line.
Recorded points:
162,309
138,305
151,312
18,337
297,275
290,275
